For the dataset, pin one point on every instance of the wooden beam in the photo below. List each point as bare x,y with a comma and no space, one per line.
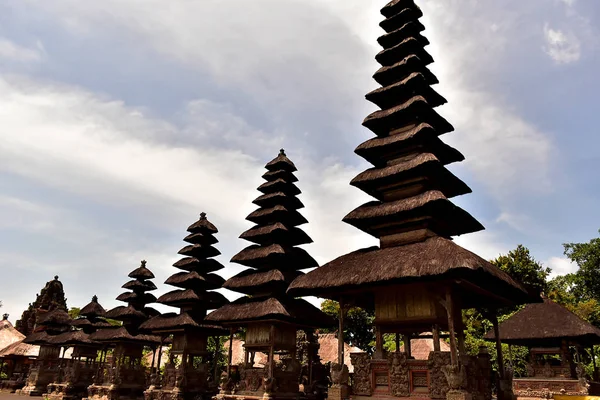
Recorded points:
436,337
230,355
494,318
341,332
450,310
397,341
272,351
378,343
407,346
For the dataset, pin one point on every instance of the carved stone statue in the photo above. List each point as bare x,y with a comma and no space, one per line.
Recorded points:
398,367
361,382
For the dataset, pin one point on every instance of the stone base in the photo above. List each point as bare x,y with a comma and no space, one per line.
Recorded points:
175,394
32,391
458,395
338,392
259,396
63,391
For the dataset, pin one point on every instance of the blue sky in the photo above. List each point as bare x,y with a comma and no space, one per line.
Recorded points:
122,120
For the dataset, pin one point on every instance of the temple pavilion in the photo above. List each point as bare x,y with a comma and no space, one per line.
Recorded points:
77,373
51,320
558,341
124,376
188,373
417,280
271,318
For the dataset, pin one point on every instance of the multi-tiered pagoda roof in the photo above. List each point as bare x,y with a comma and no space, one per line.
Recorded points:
274,258
194,296
412,215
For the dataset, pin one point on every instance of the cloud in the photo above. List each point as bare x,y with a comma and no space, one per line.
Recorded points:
562,47
11,51
560,266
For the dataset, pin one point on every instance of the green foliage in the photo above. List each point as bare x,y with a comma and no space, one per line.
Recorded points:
74,312
358,325
587,278
520,265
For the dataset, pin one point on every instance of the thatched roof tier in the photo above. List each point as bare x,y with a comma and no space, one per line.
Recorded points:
414,84
545,325
380,151
410,29
93,309
8,333
72,338
196,281
185,298
136,298
421,171
123,313
273,256
287,176
253,282
140,286
38,338
398,20
389,75
172,322
201,239
121,334
430,210
431,260
278,213
201,266
277,232
55,318
279,185
396,6
414,110
407,47
203,225
281,162
295,311
141,272
199,251
278,198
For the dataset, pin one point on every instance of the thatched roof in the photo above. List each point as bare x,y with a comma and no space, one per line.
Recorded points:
415,83
421,347
199,251
418,136
438,213
280,174
433,259
409,46
396,6
410,29
391,74
275,255
8,334
397,18
142,272
194,280
193,264
279,185
72,338
124,313
328,350
139,285
20,349
173,322
136,298
201,238
38,338
546,323
203,225
281,162
295,311
93,309
256,282
56,317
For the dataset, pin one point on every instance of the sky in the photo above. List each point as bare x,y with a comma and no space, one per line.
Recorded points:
122,120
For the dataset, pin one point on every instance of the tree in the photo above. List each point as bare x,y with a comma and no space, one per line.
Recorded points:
74,312
587,278
358,325
520,265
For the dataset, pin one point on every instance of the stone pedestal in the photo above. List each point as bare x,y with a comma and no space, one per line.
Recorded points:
338,392
458,395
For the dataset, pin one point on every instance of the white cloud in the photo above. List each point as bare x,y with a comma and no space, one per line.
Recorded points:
560,266
562,47
13,52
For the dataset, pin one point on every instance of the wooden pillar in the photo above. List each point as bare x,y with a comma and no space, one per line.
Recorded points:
230,355
450,312
310,339
341,332
594,362
397,338
272,351
407,346
217,341
160,346
153,368
379,343
436,338
494,318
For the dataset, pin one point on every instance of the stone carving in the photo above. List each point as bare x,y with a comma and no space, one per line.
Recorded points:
339,374
548,372
456,376
361,382
530,370
438,386
398,381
